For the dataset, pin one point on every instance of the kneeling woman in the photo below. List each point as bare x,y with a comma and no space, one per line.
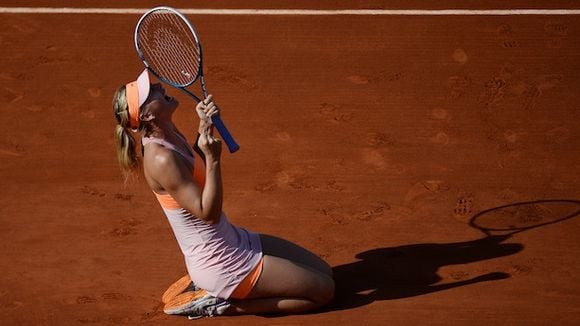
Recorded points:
230,270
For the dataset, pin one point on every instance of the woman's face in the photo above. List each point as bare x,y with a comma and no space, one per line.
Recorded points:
158,103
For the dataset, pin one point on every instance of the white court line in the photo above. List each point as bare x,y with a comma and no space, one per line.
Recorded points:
300,12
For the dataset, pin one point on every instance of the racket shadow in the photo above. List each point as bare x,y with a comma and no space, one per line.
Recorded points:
411,270
523,216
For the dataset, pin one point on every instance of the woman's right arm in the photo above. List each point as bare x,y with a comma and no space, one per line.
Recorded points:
211,148
212,195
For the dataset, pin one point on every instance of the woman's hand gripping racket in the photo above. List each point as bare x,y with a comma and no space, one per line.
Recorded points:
170,48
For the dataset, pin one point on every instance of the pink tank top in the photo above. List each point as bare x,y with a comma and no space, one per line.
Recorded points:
219,256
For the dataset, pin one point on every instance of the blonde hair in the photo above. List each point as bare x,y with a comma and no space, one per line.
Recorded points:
125,143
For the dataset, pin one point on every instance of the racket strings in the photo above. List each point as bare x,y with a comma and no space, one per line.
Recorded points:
170,52
170,48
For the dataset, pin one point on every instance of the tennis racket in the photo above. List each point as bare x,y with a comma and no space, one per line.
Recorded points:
515,218
169,47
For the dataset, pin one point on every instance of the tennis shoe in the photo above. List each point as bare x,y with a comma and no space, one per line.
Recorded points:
182,285
196,304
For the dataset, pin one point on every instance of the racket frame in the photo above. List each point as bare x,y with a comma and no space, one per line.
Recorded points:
216,120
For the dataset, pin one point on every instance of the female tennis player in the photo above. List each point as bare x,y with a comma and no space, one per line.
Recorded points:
230,270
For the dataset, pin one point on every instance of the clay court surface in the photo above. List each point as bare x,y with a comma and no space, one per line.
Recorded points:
371,140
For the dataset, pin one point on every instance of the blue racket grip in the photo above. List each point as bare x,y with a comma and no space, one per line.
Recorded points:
226,136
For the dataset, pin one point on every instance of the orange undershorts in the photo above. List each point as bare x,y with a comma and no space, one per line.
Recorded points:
244,289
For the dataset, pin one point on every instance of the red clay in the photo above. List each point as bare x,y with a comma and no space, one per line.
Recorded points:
370,140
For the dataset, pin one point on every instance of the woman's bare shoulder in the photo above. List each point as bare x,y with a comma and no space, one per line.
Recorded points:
160,162
162,167
157,156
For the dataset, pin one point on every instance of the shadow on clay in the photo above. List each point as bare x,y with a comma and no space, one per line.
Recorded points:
411,270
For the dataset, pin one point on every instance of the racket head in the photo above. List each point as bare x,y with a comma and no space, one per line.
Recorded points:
518,217
169,46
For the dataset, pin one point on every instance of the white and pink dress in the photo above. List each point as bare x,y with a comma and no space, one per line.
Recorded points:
218,256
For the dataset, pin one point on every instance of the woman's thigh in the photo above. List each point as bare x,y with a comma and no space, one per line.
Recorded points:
281,277
278,247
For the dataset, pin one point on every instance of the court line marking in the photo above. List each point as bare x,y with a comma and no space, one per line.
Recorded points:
300,12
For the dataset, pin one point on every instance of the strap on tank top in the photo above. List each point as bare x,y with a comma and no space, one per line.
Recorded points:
188,156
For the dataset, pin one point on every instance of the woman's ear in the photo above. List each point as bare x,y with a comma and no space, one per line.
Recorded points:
146,116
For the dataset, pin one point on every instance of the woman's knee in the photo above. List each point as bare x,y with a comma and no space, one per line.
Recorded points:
321,289
325,293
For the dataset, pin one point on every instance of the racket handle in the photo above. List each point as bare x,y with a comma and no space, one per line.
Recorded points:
226,136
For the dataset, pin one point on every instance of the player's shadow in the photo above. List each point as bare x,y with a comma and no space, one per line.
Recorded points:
411,270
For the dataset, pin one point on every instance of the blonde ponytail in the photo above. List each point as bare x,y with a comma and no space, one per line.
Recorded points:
125,142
